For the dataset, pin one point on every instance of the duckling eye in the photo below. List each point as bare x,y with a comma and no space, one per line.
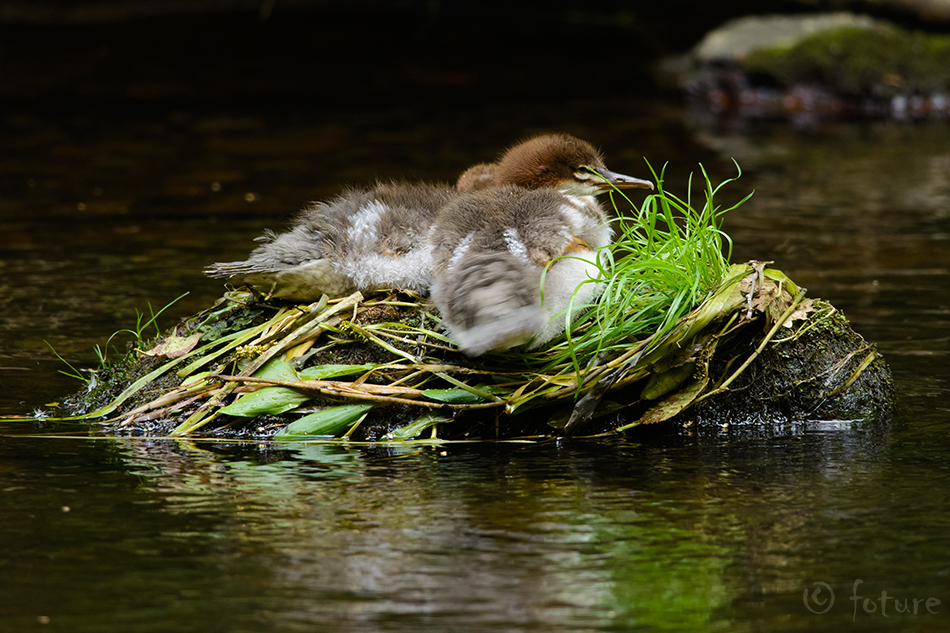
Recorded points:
582,175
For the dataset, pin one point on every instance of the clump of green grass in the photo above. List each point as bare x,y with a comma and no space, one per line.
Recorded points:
102,352
668,257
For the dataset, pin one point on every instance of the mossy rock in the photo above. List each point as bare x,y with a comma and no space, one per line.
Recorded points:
823,370
836,64
881,62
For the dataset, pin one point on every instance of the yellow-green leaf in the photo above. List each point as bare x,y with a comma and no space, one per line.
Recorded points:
329,421
272,400
452,396
415,428
662,383
322,372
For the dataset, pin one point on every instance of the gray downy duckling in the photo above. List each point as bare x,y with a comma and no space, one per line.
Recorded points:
538,219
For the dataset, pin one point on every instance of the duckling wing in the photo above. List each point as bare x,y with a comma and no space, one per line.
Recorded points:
489,252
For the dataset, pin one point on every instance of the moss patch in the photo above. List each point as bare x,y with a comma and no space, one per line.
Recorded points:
815,371
879,62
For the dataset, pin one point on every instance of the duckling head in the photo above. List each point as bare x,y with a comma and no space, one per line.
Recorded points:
563,162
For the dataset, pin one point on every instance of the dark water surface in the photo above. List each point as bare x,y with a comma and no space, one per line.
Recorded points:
104,213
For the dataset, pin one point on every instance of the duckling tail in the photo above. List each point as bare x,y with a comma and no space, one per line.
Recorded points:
489,302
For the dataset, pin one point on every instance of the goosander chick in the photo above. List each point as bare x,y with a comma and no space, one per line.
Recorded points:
361,240
538,220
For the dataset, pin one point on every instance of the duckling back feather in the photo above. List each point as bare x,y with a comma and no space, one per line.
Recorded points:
360,240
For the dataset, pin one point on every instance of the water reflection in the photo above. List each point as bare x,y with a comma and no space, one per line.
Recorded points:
499,535
563,537
685,532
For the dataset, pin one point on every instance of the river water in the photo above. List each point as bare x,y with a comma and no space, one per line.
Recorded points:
791,528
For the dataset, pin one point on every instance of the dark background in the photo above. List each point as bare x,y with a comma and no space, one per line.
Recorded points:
72,54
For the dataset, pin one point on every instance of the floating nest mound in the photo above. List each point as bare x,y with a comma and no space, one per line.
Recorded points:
367,368
676,337
370,368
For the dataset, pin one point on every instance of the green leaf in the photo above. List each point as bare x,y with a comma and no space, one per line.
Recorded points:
277,370
322,372
194,379
415,428
660,384
328,421
452,396
674,403
272,400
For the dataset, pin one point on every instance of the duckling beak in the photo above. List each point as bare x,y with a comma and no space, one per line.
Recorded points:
613,179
